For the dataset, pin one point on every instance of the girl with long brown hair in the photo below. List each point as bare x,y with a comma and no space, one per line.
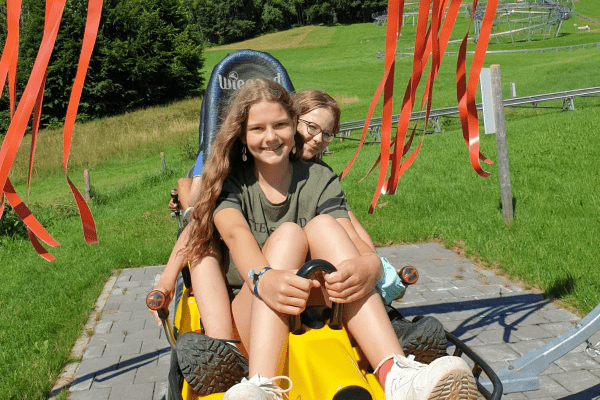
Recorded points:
273,213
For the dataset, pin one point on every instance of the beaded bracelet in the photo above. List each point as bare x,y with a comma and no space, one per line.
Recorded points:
255,276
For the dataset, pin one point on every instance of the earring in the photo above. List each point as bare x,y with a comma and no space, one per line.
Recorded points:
244,156
294,150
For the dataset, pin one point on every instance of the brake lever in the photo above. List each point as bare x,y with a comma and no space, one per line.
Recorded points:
157,301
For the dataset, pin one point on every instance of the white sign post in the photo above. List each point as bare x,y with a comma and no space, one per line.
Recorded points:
493,120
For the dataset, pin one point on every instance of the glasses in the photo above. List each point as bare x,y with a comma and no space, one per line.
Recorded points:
314,130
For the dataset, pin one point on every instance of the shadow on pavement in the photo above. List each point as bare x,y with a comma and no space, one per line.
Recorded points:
490,311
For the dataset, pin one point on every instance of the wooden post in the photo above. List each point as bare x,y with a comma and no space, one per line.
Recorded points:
498,107
162,161
86,183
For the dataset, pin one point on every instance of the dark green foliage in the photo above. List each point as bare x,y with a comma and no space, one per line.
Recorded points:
2,23
225,21
189,151
145,54
228,21
11,225
150,52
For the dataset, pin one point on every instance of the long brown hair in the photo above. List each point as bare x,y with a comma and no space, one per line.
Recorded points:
308,100
226,157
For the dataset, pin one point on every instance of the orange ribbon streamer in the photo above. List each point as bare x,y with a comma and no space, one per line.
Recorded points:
32,99
89,38
432,41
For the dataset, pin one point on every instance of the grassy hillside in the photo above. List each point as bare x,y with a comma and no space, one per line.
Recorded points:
552,245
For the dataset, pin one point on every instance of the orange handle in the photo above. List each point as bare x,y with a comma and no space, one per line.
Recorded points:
409,275
157,301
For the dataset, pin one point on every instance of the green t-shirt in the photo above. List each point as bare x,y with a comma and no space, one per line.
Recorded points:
314,190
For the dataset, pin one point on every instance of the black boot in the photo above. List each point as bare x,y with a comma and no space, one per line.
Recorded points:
423,337
210,365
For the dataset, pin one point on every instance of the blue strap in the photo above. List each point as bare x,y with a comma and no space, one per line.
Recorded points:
255,276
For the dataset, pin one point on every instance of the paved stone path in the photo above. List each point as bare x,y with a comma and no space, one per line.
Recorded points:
126,356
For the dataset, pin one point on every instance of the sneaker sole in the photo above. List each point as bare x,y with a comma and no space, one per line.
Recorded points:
425,339
454,385
209,365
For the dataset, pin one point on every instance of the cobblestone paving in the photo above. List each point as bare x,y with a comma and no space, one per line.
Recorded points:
127,356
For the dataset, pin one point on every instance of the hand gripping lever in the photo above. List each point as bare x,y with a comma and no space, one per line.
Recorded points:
156,301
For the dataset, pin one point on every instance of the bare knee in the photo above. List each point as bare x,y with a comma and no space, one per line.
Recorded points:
286,247
322,225
286,232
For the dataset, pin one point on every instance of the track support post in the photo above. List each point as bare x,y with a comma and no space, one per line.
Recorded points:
521,375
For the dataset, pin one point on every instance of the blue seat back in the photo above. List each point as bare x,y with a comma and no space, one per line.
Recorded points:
226,78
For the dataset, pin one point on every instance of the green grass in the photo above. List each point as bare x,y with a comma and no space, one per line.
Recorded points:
552,243
589,8
46,304
554,237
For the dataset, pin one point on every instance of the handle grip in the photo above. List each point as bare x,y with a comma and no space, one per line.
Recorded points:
409,275
175,196
157,301
307,271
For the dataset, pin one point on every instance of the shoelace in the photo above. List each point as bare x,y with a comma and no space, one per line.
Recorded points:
413,363
404,362
272,387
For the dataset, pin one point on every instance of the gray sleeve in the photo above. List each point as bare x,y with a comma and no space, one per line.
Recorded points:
230,197
332,200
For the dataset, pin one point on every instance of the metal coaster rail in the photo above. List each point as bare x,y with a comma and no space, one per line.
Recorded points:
374,126
401,55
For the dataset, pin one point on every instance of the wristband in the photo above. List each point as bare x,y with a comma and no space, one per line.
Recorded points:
255,276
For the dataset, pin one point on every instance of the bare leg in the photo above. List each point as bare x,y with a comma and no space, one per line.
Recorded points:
362,233
328,241
268,330
212,299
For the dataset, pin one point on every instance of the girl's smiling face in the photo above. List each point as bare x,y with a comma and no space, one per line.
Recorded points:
314,145
269,133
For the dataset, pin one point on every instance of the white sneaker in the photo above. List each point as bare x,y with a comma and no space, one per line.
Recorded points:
447,378
257,388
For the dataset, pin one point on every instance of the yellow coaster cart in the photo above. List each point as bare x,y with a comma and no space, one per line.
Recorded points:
321,360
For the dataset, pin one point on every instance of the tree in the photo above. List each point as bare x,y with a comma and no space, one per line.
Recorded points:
145,54
223,21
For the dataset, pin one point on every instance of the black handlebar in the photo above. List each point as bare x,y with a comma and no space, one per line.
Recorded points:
306,271
175,196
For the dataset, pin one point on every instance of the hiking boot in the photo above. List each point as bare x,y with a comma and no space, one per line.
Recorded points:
210,365
447,378
424,337
258,388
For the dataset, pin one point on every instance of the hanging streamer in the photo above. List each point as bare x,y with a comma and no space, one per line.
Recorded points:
21,116
89,38
31,100
431,40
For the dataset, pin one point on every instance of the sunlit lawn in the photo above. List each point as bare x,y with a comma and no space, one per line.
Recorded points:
552,244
